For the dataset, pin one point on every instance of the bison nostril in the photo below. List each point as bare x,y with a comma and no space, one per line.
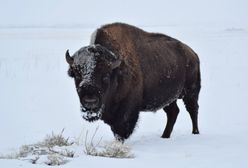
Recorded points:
90,100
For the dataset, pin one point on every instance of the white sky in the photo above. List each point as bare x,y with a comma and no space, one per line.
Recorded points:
155,12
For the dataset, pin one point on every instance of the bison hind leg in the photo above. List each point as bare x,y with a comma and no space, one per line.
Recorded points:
191,103
172,111
192,107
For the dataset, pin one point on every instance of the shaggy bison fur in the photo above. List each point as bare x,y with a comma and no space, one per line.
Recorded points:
126,70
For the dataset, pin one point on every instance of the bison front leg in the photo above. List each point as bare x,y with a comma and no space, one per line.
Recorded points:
172,111
124,127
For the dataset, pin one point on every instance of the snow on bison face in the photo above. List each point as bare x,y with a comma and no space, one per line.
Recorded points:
92,68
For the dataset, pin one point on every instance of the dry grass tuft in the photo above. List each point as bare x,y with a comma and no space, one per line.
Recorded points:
55,149
55,140
115,149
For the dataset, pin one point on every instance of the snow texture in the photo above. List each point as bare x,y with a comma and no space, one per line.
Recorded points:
38,97
35,90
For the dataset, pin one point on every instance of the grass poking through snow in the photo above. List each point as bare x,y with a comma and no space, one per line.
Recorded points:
56,140
56,149
115,149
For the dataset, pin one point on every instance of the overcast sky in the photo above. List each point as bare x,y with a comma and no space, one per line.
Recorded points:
143,12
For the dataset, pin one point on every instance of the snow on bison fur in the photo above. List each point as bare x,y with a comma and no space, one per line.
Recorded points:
126,70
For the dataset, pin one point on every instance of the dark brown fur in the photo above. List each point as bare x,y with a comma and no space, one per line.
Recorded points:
155,71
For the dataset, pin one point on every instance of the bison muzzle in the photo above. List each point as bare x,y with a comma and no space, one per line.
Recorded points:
126,70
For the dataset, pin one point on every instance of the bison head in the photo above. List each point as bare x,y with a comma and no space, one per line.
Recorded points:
93,69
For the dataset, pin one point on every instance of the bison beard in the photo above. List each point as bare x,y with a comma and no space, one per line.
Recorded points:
91,115
126,70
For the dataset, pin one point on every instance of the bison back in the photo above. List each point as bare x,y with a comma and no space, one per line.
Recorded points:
162,65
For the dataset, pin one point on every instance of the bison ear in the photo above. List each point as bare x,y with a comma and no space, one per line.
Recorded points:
69,59
115,64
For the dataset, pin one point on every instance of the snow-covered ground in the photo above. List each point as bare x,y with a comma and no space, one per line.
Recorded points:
37,97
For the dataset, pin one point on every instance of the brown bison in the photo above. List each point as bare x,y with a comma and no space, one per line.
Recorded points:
126,70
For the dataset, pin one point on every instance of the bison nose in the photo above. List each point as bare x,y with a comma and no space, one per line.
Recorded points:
90,102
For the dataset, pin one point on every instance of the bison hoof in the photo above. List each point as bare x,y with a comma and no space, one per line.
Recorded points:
119,138
195,132
165,136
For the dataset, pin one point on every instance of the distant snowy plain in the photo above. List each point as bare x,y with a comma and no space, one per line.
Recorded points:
37,97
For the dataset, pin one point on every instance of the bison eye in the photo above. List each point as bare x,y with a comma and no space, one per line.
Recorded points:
106,78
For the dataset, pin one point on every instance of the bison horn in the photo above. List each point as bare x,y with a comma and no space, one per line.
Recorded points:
69,59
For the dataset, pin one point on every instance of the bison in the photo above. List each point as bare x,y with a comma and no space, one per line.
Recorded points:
126,70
